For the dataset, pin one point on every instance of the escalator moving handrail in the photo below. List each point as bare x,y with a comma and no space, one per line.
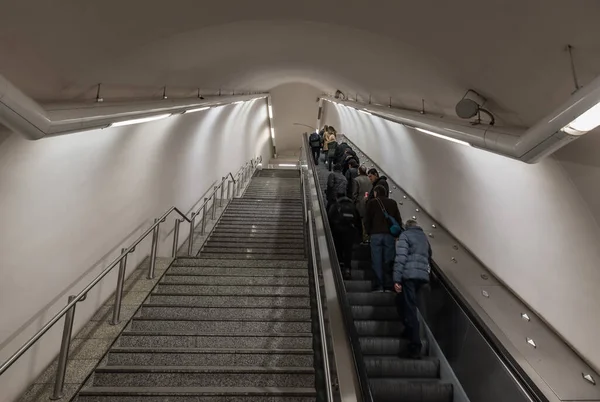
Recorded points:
359,363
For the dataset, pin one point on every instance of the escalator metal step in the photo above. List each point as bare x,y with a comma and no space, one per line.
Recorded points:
392,366
409,390
373,345
375,313
378,328
371,299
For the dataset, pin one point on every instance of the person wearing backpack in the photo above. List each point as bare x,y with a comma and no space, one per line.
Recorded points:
377,181
315,146
346,229
411,272
331,148
336,185
380,214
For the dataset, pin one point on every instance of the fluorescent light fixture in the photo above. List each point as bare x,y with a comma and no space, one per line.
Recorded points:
584,123
272,132
237,103
270,112
196,110
137,121
442,136
287,165
365,112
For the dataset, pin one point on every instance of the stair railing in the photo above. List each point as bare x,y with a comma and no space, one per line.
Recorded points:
237,180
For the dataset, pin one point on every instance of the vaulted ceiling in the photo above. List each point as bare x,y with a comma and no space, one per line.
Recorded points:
511,51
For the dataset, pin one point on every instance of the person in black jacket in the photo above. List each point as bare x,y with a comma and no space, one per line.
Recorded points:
377,226
346,228
351,174
377,181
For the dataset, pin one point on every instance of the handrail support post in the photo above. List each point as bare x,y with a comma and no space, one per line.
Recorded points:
203,224
175,238
63,357
222,192
119,292
153,250
191,237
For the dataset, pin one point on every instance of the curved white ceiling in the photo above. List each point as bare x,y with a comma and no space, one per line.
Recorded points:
512,51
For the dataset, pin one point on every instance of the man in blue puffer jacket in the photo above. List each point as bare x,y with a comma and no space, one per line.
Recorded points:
411,271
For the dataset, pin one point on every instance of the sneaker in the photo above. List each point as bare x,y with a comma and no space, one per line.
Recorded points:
346,274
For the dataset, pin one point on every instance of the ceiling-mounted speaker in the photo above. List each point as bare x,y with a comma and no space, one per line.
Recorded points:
467,108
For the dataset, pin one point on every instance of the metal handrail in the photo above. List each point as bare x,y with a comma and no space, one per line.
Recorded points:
307,215
352,334
69,310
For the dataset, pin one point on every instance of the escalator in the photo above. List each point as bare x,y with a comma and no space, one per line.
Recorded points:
462,360
378,326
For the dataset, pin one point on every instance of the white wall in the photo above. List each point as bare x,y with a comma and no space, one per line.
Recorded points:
529,224
293,103
70,203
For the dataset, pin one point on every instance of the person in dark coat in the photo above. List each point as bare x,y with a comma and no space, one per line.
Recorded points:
377,181
351,174
346,229
411,272
382,241
336,185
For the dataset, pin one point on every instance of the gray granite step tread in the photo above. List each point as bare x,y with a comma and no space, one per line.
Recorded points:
121,349
209,319
214,334
166,391
203,369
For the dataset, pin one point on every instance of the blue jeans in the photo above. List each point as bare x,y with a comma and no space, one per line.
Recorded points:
383,253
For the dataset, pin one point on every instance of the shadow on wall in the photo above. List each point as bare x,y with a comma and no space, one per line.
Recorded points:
67,200
522,221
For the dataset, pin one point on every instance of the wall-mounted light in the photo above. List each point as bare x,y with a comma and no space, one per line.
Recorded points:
272,133
270,112
196,110
138,121
585,122
442,136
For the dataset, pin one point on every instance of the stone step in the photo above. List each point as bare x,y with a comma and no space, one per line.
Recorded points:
196,394
263,203
375,313
398,389
244,257
239,230
164,339
392,366
271,213
298,218
207,376
228,290
232,263
221,326
298,245
170,279
378,328
266,234
298,252
230,301
259,239
120,356
185,312
256,224
239,271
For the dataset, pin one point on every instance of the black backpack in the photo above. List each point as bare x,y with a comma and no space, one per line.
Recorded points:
314,140
344,214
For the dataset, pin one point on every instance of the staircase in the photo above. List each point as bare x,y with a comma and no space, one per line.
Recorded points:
377,322
231,325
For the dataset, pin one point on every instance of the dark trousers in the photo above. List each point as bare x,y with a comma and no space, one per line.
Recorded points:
344,240
407,303
383,252
330,162
316,151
